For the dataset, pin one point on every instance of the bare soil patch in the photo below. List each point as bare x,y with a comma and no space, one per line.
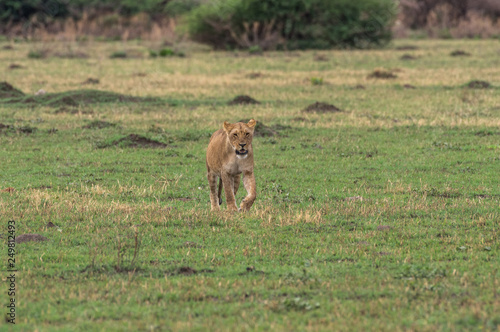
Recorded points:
254,75
134,141
478,85
320,57
13,66
319,107
30,238
382,74
459,53
243,100
187,271
90,80
408,57
14,129
4,126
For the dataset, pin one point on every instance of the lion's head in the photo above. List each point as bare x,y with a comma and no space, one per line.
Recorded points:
240,136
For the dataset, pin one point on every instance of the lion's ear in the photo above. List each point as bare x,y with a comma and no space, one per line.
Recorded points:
251,123
227,126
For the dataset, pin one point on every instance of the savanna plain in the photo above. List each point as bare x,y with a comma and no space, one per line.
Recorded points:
379,211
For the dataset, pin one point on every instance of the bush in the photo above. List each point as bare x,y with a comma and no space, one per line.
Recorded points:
118,55
295,24
166,52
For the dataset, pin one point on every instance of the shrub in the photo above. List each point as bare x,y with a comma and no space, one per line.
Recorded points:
180,7
166,52
37,54
118,55
316,81
295,24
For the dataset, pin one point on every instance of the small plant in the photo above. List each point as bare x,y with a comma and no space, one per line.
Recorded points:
316,81
256,49
127,251
118,55
164,52
37,54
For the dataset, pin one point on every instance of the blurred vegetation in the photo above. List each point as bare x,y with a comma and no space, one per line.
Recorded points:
18,11
269,24
294,24
257,24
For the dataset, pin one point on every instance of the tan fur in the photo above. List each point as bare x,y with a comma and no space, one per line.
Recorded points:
229,155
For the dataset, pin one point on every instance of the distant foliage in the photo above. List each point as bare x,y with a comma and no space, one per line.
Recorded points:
18,11
294,24
417,14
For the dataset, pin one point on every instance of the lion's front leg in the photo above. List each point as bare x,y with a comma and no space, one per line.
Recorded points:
228,184
249,183
212,182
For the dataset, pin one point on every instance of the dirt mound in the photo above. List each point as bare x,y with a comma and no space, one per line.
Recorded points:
459,53
75,98
409,86
318,107
15,66
408,57
320,57
382,73
14,129
261,130
30,237
478,85
134,141
4,126
254,75
243,100
91,80
98,124
187,271
8,91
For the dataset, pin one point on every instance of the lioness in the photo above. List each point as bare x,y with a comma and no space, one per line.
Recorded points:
229,154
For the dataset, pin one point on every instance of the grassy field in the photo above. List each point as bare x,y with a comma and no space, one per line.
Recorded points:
383,215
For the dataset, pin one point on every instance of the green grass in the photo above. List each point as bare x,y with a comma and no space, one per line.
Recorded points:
382,216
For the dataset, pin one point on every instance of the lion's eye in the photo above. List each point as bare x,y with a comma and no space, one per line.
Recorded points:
235,135
247,134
